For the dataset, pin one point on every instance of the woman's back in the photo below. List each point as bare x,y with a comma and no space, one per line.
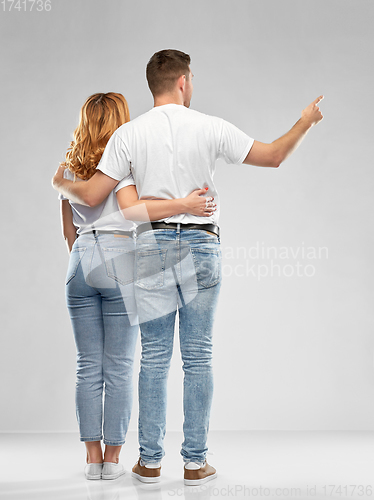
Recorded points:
104,217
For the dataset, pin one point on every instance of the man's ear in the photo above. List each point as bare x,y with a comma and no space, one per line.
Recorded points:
181,82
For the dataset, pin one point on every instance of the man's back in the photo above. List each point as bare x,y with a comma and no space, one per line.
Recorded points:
172,150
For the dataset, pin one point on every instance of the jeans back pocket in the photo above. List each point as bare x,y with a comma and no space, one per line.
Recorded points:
150,268
207,266
76,256
119,264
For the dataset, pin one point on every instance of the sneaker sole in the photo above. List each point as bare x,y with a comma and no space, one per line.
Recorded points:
93,476
145,479
112,476
197,482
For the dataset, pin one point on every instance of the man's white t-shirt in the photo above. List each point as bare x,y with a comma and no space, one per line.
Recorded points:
172,150
105,216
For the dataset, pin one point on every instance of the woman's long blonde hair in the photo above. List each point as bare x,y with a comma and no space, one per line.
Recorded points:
100,116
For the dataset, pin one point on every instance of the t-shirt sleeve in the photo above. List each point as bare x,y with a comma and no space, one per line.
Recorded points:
234,145
67,175
127,181
61,197
115,161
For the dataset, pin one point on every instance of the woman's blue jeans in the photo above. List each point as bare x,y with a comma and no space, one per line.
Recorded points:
176,270
100,300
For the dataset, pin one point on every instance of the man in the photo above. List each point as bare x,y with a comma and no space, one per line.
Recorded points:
171,150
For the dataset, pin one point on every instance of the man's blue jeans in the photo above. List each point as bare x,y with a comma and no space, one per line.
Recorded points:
176,270
101,303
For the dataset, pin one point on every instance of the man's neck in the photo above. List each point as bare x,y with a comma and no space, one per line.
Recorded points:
161,100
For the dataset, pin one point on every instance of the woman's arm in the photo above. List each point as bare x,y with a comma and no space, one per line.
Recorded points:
149,210
69,231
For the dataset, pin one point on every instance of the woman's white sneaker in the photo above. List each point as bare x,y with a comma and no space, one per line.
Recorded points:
112,470
93,471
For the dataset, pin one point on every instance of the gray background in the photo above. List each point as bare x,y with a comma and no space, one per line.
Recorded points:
291,352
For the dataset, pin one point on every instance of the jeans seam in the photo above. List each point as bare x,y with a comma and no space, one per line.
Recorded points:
90,264
81,251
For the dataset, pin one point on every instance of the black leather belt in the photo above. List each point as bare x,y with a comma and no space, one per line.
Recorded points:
212,228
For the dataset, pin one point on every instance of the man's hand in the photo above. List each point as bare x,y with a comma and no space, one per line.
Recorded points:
59,175
272,155
312,113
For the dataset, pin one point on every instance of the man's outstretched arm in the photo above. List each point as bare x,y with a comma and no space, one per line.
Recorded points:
90,193
273,154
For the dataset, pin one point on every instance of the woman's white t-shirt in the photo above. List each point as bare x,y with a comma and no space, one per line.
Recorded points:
106,216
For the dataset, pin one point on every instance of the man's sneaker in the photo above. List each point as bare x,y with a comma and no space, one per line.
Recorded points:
150,473
196,474
112,470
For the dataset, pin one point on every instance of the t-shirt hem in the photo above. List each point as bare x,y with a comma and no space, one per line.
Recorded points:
110,174
122,185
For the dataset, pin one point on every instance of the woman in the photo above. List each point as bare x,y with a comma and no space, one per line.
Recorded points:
99,287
